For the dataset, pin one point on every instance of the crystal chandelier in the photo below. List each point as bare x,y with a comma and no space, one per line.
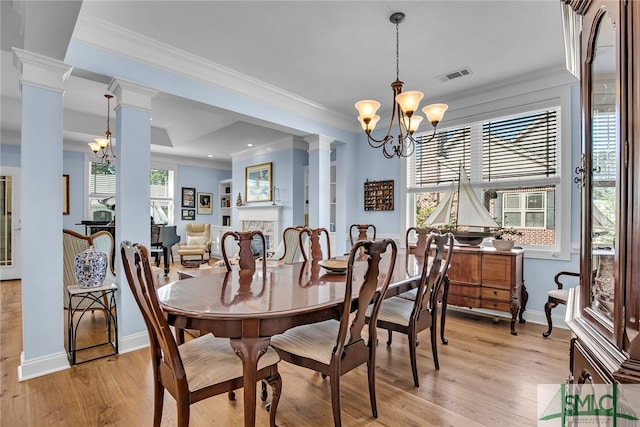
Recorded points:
405,105
102,147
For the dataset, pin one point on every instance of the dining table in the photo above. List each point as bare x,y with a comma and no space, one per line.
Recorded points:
251,307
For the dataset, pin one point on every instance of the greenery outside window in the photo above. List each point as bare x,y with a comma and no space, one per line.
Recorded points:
102,191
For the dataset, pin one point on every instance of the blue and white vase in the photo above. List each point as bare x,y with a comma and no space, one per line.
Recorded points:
90,267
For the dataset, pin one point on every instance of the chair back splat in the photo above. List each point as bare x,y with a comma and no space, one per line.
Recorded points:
246,258
334,347
315,246
193,371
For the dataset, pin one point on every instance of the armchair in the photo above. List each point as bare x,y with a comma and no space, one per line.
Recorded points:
197,244
557,296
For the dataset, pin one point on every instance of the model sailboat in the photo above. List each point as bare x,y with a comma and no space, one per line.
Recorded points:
470,213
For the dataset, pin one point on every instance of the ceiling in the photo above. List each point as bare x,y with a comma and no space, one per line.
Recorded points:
329,54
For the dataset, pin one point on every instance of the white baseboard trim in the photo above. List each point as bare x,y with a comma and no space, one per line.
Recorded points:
57,362
532,316
133,342
42,365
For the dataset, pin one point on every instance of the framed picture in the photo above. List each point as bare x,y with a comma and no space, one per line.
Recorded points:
188,197
65,194
204,204
188,214
258,183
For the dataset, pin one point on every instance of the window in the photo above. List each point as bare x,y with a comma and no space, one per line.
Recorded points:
512,163
102,191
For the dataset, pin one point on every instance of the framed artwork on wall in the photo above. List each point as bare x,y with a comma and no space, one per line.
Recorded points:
65,194
258,183
188,214
188,197
204,204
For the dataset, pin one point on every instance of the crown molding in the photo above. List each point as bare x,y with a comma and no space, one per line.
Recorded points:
94,32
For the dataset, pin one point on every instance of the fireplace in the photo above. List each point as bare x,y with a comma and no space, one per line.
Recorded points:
264,218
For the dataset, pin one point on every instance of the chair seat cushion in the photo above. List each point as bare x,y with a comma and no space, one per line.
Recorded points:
395,310
209,360
314,341
559,294
410,295
198,250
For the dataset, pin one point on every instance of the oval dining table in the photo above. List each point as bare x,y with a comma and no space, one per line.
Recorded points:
251,307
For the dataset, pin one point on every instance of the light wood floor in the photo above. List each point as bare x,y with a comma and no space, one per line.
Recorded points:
487,378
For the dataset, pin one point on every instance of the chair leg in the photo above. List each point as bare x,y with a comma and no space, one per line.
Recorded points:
547,311
275,381
263,391
158,400
413,343
389,335
232,395
183,414
371,368
334,380
434,345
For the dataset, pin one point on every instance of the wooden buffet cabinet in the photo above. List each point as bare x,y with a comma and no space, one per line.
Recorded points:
603,312
490,279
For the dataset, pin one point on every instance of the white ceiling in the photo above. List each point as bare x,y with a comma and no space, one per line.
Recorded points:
329,53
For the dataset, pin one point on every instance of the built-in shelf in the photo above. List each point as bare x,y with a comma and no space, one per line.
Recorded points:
224,202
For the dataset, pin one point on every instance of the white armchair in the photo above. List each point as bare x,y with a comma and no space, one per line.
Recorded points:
197,244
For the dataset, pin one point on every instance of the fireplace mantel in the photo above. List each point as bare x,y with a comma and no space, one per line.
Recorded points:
265,218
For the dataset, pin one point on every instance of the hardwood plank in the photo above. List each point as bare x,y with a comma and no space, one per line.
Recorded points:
487,378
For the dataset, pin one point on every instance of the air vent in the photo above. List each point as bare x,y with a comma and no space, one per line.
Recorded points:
455,74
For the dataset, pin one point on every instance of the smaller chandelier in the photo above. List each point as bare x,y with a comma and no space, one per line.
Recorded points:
405,106
102,147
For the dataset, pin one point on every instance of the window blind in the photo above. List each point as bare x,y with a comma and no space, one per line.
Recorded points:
438,161
521,146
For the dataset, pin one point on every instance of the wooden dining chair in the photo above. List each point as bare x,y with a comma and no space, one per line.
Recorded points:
363,232
246,256
203,367
315,247
410,317
557,296
291,242
334,347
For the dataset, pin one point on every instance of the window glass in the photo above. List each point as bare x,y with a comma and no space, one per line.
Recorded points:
514,171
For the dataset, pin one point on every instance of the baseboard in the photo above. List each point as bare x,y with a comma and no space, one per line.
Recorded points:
133,342
531,316
42,365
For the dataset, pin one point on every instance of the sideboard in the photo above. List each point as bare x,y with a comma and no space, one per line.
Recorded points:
488,278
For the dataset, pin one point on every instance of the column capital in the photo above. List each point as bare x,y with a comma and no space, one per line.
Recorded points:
132,94
41,71
319,142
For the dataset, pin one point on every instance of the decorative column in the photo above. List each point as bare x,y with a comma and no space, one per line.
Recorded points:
42,86
319,180
133,163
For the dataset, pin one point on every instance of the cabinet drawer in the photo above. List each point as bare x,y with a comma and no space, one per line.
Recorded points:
463,301
471,291
496,294
496,305
465,267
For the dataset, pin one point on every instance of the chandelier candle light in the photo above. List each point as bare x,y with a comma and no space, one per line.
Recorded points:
405,105
102,147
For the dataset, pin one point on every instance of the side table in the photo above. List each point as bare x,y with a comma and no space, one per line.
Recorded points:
102,298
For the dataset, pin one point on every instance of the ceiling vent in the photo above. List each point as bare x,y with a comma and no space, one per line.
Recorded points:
454,74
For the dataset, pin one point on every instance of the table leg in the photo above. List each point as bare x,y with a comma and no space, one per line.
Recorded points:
249,350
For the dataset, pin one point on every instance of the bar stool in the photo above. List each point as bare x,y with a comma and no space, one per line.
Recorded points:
103,297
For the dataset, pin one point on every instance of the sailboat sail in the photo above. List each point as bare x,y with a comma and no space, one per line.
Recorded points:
470,213
442,213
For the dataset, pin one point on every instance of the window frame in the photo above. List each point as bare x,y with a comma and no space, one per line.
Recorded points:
561,96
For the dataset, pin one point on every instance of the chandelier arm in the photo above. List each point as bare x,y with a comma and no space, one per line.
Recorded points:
433,135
